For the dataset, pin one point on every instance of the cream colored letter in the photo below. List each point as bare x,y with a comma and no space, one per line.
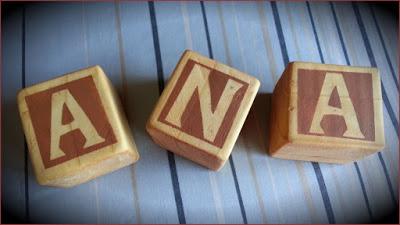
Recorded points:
198,79
81,122
347,111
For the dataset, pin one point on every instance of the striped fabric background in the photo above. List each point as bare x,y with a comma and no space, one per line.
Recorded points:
138,46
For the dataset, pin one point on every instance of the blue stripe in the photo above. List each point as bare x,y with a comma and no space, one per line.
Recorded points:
315,33
280,33
317,170
160,75
384,49
238,190
385,98
157,51
390,109
26,169
324,192
387,179
203,11
364,191
177,191
210,52
346,56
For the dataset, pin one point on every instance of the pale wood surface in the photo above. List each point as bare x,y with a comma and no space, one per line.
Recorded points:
200,146
48,39
287,137
119,153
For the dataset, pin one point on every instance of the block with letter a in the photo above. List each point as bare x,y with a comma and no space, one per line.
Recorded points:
326,113
202,110
75,128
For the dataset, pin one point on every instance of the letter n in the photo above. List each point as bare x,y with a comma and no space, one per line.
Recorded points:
211,120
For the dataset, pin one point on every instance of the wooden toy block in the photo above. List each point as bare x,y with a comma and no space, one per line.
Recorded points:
202,110
326,113
75,128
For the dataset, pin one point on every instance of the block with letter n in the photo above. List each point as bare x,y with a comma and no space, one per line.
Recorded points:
326,113
75,128
202,110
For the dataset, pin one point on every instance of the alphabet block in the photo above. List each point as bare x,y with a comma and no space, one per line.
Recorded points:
326,113
202,109
75,128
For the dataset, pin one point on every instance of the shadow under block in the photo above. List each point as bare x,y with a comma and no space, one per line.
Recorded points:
326,113
202,110
75,128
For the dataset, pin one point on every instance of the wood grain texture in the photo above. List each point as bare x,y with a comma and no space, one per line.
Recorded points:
326,113
75,128
202,109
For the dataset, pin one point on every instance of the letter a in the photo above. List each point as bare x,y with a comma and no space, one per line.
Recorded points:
347,111
81,122
211,121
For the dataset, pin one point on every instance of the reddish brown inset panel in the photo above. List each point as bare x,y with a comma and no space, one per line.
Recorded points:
191,118
359,86
86,95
